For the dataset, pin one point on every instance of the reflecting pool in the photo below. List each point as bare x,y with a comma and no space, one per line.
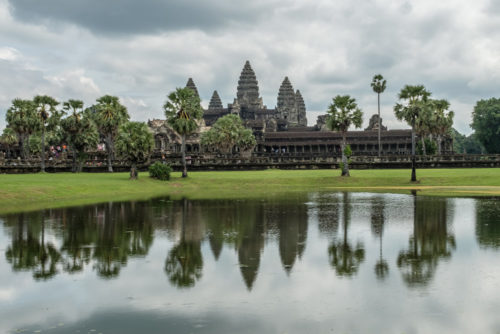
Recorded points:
307,263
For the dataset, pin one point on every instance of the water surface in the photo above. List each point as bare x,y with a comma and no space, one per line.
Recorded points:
317,263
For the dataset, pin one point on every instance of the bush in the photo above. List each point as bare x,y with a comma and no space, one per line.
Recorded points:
348,151
160,171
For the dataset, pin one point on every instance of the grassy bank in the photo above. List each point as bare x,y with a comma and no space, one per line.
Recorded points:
36,191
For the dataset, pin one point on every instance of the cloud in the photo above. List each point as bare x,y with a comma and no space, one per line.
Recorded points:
135,17
142,51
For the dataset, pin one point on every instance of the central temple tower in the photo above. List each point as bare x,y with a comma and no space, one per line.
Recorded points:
247,95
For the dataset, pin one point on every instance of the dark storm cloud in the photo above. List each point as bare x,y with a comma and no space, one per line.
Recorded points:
138,17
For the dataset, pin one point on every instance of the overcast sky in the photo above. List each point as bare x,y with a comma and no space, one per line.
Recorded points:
140,51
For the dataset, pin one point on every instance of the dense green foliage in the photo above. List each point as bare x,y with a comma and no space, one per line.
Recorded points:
160,171
49,117
466,144
184,114
342,113
430,145
413,107
8,138
108,114
441,121
21,117
135,143
486,123
227,132
79,131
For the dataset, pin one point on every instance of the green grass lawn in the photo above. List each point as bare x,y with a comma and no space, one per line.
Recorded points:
36,191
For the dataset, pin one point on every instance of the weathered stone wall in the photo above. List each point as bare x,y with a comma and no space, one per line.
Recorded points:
267,161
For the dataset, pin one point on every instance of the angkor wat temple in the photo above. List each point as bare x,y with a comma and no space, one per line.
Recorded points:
284,129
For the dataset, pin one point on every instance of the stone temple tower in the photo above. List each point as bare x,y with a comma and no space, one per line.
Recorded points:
190,84
286,105
247,94
301,109
291,106
215,102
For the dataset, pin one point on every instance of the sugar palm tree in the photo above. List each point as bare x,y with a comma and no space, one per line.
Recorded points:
21,117
135,143
442,120
183,112
343,256
342,113
79,131
424,123
184,263
414,98
109,115
378,84
45,107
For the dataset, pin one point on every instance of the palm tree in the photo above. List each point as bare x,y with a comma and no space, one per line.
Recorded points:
79,131
345,258
414,98
45,107
75,106
110,114
183,112
344,112
135,143
8,138
377,227
184,263
424,126
442,120
21,118
378,84
430,242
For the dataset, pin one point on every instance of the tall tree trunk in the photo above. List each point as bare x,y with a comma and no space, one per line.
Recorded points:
413,163
379,147
345,165
439,144
133,171
22,139
73,168
110,153
424,151
183,152
42,152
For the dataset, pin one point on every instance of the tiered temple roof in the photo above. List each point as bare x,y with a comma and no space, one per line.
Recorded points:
215,102
301,109
190,84
286,102
248,89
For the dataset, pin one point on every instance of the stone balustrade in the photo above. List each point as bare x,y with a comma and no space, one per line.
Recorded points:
263,161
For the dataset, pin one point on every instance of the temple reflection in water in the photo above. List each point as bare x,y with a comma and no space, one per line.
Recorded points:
102,238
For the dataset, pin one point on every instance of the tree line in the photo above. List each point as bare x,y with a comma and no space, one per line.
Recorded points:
428,118
41,122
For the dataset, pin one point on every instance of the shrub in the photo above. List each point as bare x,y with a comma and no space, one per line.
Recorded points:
160,171
348,151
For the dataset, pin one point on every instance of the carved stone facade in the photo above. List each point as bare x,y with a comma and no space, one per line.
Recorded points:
373,124
248,104
284,129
